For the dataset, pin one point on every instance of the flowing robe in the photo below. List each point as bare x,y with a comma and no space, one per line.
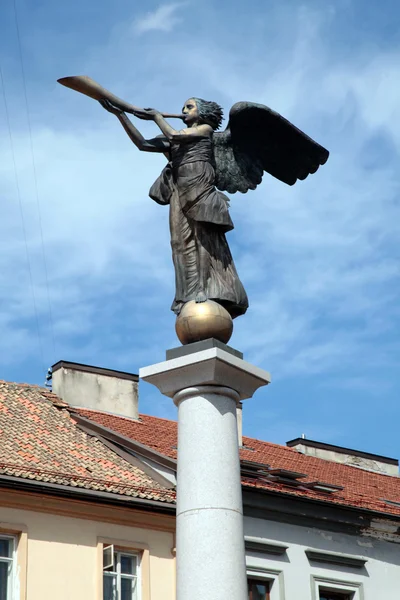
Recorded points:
187,185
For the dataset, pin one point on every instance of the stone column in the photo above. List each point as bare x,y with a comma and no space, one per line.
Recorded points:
206,381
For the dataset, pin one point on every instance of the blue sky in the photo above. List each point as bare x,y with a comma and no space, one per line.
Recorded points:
320,260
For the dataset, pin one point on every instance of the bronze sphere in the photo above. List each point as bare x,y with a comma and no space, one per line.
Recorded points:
203,320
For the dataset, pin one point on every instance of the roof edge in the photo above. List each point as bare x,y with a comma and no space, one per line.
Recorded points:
119,438
337,507
56,489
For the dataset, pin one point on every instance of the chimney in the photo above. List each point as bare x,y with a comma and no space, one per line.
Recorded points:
106,390
355,458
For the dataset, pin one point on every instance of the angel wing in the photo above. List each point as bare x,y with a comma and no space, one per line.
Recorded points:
258,139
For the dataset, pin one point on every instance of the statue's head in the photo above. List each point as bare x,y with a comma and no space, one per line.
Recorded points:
203,111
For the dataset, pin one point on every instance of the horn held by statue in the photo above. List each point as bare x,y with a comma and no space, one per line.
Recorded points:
87,86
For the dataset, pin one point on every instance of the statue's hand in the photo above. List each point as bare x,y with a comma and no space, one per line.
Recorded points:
148,114
110,107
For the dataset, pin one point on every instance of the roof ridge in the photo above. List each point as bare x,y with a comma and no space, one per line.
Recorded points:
102,412
45,393
35,386
158,418
130,419
270,443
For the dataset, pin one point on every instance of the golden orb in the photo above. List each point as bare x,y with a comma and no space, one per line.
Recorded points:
202,320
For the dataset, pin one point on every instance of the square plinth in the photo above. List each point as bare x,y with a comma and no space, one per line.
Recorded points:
198,346
213,366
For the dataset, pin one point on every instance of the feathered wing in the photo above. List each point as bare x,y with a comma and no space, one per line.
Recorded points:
258,139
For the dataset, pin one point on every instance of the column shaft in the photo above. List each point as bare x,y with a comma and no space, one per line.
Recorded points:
210,543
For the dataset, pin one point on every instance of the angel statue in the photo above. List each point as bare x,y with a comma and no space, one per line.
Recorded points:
204,163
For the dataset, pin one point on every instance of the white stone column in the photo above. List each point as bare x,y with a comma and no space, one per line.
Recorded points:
206,386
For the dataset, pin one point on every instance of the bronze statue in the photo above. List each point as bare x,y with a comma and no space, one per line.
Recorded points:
202,164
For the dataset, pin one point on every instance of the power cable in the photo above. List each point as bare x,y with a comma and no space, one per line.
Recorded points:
35,178
22,216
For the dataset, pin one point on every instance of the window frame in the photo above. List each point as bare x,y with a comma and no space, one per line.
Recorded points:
262,580
354,589
18,531
274,577
138,549
118,573
11,561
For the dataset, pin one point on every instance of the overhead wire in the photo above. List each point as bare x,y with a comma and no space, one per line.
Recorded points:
17,187
35,179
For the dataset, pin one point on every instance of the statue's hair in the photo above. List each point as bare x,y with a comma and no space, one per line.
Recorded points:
210,113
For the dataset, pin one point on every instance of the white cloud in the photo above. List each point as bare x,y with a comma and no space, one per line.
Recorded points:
164,18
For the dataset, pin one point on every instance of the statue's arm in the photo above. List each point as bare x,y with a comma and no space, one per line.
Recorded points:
157,144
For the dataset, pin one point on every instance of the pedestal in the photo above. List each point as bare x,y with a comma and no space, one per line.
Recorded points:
206,386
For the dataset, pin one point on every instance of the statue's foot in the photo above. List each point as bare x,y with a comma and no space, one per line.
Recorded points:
200,297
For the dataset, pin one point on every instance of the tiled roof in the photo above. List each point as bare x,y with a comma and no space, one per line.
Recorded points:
361,488
40,441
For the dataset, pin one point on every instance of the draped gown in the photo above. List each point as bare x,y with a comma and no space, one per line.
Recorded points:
187,185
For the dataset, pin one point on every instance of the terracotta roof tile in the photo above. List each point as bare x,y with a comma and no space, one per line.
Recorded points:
40,441
361,488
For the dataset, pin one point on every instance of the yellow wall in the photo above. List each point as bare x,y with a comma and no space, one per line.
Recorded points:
64,559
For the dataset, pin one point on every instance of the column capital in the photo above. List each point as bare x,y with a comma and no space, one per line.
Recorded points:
213,366
203,390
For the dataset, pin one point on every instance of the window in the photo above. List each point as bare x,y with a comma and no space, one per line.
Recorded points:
6,566
120,575
258,589
334,596
324,588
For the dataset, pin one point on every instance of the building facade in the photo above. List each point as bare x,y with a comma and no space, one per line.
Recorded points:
78,519
321,522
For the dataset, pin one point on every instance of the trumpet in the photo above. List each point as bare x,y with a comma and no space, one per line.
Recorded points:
87,86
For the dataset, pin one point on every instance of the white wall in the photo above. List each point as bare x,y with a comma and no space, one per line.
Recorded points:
294,578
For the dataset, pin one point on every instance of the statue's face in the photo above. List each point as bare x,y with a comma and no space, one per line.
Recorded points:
191,111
